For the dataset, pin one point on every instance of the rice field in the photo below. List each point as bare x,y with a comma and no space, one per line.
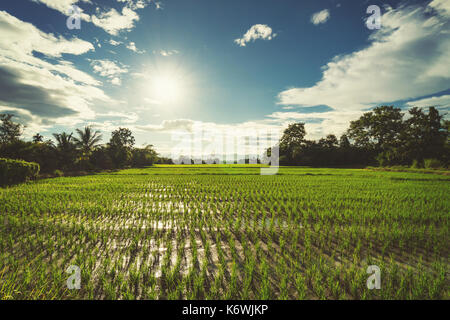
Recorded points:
227,232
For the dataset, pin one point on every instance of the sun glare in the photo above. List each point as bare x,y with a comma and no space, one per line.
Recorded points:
167,88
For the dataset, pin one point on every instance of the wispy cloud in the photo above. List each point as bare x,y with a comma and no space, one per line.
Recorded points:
258,31
109,69
166,53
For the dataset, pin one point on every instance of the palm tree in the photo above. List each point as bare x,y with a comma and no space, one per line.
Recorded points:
66,148
37,138
87,140
64,141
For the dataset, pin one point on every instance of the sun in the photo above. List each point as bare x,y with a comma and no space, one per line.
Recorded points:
166,84
167,88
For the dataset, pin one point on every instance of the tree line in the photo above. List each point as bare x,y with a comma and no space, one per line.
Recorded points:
385,136
71,152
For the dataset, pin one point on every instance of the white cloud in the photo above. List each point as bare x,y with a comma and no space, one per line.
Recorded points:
113,21
135,4
158,5
114,42
317,124
406,59
320,17
22,36
132,47
51,92
234,129
441,102
116,81
64,6
170,125
443,6
166,53
258,31
109,69
190,137
131,117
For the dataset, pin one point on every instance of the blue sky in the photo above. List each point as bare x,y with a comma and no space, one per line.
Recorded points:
161,66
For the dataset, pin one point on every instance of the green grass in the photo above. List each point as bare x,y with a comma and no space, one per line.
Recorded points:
224,231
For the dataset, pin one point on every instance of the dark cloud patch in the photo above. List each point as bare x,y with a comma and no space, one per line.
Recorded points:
18,116
37,100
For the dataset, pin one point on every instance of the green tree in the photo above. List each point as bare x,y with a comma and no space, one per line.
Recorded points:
122,137
292,141
378,129
144,156
379,133
425,135
120,146
330,142
344,143
9,130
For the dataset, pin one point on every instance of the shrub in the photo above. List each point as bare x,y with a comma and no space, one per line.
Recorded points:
42,153
433,164
17,171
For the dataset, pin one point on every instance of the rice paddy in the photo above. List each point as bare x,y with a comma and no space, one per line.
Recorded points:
227,232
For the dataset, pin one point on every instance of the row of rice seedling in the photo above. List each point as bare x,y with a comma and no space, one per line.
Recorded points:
214,233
